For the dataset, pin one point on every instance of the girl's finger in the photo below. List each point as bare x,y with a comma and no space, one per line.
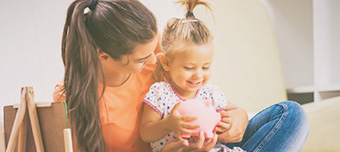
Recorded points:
224,113
179,136
219,129
189,131
190,125
211,143
226,120
175,108
175,146
208,140
188,118
226,126
200,140
197,145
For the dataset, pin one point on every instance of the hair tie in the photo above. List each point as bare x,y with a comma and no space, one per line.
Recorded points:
190,14
189,20
93,4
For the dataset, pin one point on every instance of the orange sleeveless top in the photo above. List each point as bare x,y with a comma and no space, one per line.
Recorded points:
120,112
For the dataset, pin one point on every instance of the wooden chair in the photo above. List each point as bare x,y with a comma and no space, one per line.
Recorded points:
30,126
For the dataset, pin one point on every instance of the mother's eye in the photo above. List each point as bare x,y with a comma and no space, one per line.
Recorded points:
142,61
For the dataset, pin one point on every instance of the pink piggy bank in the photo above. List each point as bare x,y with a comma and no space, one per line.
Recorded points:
207,117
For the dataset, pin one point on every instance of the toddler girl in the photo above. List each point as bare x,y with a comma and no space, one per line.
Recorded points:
182,73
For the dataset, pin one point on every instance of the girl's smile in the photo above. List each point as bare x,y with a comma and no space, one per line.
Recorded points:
190,69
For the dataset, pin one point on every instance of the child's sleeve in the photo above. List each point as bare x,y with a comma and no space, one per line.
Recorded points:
219,99
154,98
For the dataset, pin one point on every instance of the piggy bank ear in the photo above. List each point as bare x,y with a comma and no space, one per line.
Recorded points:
207,103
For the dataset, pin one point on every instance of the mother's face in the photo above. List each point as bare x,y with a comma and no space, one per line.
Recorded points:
133,63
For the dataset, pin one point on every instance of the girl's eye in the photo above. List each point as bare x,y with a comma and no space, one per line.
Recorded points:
141,61
205,68
188,68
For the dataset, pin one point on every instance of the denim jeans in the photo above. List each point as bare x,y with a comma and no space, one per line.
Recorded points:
282,127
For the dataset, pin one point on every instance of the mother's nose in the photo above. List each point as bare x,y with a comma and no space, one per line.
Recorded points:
152,59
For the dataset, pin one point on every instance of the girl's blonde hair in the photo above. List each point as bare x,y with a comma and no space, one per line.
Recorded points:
179,34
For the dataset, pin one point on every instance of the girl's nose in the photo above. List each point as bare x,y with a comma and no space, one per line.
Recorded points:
198,74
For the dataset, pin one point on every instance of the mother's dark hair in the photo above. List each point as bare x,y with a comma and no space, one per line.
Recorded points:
112,26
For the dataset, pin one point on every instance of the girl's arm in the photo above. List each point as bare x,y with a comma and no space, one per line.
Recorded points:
153,128
238,119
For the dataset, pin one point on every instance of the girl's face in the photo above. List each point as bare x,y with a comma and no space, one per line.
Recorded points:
132,63
191,69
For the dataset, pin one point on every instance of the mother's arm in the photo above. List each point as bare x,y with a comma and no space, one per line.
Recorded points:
239,121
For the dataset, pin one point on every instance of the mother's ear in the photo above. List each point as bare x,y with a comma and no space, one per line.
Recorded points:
164,60
102,56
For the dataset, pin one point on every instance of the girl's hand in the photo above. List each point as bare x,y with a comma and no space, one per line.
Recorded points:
239,120
175,146
202,144
178,124
182,145
225,123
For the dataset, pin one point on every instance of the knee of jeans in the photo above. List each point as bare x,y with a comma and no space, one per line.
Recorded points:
297,114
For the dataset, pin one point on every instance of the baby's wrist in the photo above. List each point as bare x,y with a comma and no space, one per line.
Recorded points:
167,124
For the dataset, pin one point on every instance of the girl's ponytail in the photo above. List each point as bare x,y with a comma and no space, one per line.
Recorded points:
179,34
190,6
81,79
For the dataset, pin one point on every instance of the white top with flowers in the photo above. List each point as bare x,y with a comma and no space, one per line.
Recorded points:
162,97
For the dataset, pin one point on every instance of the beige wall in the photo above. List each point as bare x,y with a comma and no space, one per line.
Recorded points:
30,39
293,26
246,64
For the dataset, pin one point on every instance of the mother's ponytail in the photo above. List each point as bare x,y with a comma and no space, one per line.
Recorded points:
81,62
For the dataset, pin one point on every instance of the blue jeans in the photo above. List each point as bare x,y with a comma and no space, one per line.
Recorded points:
282,127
